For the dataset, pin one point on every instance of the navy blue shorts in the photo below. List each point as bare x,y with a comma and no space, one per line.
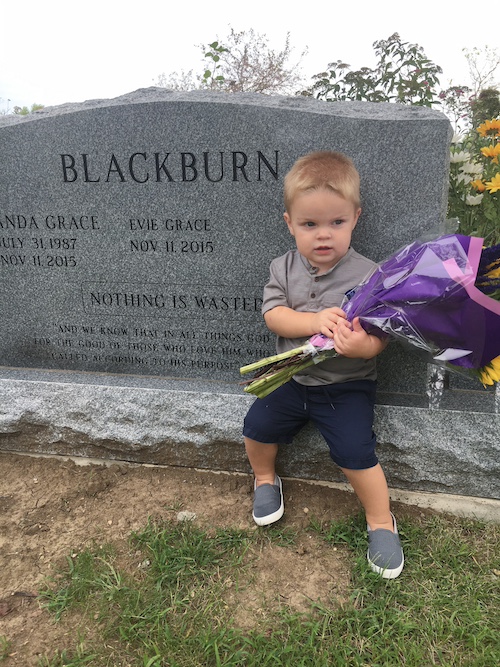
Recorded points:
343,413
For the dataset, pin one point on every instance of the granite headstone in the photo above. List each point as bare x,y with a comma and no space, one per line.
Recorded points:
135,239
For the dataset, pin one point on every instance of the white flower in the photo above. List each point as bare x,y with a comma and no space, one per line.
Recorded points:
471,168
457,138
473,200
464,178
460,156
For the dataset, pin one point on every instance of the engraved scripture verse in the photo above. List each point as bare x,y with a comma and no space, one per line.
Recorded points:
132,325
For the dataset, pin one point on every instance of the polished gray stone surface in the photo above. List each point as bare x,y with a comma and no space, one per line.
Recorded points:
136,233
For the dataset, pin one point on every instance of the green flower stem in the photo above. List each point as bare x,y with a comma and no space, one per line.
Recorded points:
262,387
272,359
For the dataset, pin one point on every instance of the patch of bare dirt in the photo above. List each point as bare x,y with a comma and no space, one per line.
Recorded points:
50,508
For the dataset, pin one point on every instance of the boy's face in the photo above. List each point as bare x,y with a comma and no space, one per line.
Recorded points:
322,223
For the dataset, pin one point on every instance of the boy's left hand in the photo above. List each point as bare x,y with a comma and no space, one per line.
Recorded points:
352,341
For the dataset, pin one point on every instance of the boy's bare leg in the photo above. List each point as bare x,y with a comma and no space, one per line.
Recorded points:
262,458
371,488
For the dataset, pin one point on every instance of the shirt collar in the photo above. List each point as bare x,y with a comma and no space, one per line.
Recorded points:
313,270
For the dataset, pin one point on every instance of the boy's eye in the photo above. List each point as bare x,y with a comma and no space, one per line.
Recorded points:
338,222
309,223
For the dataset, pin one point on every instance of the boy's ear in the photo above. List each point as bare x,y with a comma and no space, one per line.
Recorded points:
356,217
288,223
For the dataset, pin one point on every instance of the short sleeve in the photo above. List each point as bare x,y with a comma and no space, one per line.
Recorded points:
275,291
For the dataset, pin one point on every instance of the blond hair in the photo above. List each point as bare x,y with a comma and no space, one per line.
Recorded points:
322,170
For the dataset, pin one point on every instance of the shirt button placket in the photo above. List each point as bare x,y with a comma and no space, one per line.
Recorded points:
313,294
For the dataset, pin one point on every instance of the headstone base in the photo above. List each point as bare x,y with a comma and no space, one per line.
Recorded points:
198,425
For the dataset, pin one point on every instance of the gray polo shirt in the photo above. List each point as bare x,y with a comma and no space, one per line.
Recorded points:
293,282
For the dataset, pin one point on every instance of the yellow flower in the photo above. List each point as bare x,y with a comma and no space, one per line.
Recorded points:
489,127
478,185
493,185
491,151
493,269
490,373
494,274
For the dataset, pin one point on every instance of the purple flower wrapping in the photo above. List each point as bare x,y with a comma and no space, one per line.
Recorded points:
425,294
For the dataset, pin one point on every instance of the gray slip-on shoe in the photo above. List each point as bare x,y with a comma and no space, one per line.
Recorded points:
268,505
385,554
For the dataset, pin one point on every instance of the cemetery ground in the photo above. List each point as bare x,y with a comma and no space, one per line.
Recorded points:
99,568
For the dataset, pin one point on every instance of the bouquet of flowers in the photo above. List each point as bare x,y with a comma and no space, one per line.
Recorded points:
441,295
474,189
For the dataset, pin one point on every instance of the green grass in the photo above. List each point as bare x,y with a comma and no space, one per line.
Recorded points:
175,609
5,648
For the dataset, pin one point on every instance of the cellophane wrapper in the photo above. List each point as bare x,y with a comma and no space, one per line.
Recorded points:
425,295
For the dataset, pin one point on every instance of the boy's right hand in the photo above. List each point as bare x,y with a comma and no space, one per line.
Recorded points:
325,321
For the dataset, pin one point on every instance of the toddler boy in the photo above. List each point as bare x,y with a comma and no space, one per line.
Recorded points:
303,298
